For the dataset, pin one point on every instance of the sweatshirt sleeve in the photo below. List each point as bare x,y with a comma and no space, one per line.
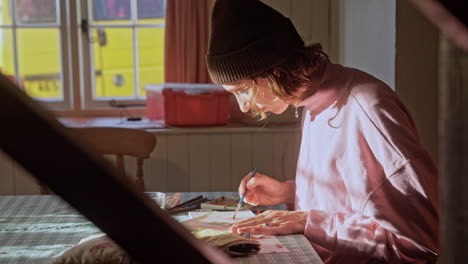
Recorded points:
398,223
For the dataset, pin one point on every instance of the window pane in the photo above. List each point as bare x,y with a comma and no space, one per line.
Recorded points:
6,53
5,17
110,10
113,62
39,62
151,56
150,9
35,11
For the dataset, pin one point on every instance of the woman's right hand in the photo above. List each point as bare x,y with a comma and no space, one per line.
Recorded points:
264,190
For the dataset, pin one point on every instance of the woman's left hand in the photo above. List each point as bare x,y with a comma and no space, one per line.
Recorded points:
273,223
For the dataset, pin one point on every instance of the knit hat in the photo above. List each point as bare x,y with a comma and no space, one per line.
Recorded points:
248,37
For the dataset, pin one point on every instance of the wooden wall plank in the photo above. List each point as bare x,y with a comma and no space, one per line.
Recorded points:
220,163
241,158
262,152
279,155
283,6
320,23
294,146
301,16
199,153
6,175
178,167
155,168
286,152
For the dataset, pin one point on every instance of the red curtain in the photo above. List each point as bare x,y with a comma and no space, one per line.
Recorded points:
186,41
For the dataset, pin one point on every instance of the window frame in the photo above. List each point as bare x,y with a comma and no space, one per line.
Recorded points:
87,84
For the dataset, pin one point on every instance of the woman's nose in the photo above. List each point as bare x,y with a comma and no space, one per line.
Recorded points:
243,102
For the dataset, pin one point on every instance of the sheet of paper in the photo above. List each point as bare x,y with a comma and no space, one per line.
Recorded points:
223,220
240,215
217,220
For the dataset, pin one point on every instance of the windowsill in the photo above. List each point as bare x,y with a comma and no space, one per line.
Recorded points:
94,113
159,127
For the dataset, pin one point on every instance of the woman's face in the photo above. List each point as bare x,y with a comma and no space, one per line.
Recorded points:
265,100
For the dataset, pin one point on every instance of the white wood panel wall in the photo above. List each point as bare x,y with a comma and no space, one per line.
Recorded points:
218,161
310,17
208,161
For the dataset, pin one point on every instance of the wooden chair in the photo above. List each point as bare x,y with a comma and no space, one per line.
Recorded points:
120,142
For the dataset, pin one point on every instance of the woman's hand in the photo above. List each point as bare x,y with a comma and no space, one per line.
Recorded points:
273,223
264,190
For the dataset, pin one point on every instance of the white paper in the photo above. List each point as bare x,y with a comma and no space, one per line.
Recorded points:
240,215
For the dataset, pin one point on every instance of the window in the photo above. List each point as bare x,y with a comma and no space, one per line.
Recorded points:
30,51
99,50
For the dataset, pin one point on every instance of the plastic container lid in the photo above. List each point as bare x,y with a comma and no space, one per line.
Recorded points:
155,87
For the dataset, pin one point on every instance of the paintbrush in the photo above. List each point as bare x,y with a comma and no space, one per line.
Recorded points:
243,196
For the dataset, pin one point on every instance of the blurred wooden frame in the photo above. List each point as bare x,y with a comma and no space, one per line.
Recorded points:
119,142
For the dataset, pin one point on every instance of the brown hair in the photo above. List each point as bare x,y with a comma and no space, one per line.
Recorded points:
284,79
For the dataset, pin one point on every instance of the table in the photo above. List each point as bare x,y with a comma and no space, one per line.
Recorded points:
35,229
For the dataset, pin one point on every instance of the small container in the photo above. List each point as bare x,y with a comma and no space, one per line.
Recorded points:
195,104
154,101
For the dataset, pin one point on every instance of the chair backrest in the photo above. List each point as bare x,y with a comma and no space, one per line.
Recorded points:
120,142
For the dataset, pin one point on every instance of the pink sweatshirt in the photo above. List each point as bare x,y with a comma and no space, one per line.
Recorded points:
371,188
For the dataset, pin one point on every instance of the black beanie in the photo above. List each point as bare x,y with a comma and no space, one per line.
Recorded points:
247,37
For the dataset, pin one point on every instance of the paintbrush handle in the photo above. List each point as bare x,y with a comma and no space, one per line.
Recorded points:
247,190
243,196
245,193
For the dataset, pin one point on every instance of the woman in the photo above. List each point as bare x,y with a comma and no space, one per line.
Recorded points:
365,188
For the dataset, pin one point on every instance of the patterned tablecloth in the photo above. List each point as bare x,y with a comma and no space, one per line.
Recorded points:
35,229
